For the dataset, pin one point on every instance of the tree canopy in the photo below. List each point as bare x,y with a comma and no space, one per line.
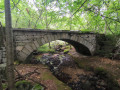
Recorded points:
85,15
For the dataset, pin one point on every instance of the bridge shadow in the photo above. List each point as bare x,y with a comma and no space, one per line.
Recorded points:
80,48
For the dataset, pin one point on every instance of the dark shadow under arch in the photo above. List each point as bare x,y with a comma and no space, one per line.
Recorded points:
80,48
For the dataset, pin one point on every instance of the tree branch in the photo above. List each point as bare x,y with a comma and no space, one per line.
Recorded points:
50,21
13,6
28,75
117,20
79,8
38,18
108,27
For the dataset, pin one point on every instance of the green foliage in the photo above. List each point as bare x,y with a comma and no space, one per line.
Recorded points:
108,44
21,82
99,71
45,49
37,87
4,86
112,84
66,51
23,85
101,16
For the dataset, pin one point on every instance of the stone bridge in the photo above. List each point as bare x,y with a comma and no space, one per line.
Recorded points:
28,40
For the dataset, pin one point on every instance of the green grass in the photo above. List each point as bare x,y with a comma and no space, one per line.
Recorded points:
45,49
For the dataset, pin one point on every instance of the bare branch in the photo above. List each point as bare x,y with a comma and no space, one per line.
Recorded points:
108,26
79,7
13,6
26,76
50,21
38,18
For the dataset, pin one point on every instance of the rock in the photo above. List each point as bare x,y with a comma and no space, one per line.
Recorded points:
102,83
86,85
56,62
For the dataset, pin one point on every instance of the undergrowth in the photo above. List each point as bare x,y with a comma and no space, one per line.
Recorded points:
100,72
107,45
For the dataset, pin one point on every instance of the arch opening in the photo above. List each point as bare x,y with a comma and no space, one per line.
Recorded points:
80,48
29,48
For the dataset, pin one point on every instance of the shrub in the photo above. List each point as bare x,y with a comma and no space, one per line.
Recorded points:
37,87
109,79
99,71
23,85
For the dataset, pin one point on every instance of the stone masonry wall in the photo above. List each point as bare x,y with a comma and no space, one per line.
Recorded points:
26,41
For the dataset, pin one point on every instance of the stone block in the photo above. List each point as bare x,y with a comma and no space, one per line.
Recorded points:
29,47
36,44
43,41
39,41
22,56
26,51
33,46
4,60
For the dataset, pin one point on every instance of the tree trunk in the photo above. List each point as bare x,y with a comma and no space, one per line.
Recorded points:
49,46
9,46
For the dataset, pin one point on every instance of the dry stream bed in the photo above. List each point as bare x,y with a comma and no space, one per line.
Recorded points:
73,72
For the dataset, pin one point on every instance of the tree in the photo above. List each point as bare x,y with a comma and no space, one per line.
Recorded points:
84,15
9,47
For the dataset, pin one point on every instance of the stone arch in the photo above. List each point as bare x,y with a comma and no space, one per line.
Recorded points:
28,48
